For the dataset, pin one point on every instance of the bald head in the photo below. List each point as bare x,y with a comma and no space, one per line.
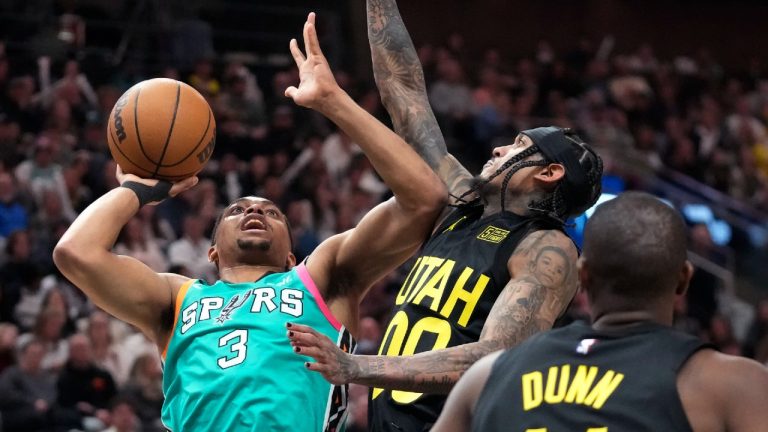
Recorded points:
635,248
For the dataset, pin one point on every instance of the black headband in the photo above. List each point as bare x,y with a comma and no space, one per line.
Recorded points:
556,148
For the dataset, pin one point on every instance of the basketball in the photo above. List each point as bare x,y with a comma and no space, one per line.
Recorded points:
163,129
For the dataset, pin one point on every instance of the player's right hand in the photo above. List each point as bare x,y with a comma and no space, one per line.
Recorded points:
317,86
176,187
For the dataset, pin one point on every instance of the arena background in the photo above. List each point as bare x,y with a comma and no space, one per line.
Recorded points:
673,94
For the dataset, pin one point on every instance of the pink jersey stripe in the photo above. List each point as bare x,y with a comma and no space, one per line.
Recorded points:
301,270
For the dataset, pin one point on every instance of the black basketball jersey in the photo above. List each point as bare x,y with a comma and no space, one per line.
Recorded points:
577,379
445,301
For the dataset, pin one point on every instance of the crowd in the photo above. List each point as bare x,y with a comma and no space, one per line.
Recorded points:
65,365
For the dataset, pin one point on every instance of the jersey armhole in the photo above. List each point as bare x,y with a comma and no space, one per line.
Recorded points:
176,310
306,279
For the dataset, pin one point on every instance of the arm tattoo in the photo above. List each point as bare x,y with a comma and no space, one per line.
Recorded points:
400,79
533,301
517,314
433,372
527,305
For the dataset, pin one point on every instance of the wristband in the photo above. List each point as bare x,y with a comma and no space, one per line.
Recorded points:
147,194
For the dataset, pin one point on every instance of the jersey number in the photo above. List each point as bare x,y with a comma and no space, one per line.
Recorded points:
238,347
398,333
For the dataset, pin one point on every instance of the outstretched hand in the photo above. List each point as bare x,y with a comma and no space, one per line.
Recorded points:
317,81
336,366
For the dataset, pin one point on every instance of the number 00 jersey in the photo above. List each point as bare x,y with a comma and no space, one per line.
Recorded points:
445,301
230,367
578,379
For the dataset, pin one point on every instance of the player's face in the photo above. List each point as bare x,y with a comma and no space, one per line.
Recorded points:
255,230
550,268
502,154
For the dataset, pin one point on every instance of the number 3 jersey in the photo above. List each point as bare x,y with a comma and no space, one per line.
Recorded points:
445,301
230,367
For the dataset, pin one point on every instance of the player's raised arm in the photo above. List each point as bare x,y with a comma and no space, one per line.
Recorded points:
121,285
392,231
400,79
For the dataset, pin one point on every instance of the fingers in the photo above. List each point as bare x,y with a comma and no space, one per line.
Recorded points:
183,185
291,92
311,42
298,56
301,328
313,352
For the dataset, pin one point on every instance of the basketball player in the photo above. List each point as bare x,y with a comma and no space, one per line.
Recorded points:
227,366
629,370
481,283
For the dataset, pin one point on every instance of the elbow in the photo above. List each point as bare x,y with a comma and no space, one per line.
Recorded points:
65,257
71,259
434,199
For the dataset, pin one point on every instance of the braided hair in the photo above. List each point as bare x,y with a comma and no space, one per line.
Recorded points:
562,202
516,159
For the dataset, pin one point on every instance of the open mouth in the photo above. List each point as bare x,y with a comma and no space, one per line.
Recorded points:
253,224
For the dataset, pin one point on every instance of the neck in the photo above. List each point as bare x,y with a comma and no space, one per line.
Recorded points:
617,318
246,273
517,204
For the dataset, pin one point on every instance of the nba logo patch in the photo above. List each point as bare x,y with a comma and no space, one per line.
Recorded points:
493,235
585,346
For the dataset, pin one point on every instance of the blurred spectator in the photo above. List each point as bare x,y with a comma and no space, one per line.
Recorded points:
369,337
451,97
241,116
11,152
74,87
13,214
17,274
133,241
203,80
756,343
105,352
702,292
28,392
84,388
743,125
299,214
721,335
338,152
42,174
22,105
8,342
48,332
358,408
145,388
191,250
123,416
155,228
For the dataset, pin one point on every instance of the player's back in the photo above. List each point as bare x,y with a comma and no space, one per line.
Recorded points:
579,379
229,364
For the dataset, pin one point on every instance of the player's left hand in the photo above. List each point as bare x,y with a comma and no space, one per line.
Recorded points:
334,364
317,82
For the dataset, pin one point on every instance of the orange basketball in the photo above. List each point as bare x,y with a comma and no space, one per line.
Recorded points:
161,128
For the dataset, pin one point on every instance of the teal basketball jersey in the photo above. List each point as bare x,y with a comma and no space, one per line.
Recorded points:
229,365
